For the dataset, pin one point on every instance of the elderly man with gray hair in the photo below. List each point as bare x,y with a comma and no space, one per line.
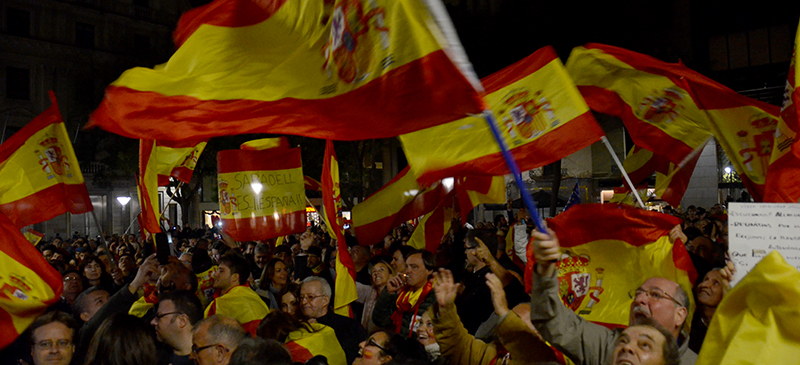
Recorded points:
215,338
315,301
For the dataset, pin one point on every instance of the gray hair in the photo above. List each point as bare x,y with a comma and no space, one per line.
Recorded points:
326,288
224,330
261,248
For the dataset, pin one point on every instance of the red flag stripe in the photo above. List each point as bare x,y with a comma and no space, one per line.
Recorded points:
602,222
259,228
247,160
225,13
57,199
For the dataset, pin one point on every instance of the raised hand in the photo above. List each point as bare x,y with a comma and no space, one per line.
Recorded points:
444,287
676,233
547,251
727,273
498,294
483,252
395,283
147,271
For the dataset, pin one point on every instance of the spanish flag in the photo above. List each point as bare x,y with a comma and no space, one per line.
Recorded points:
261,193
147,186
242,304
756,322
608,250
30,284
33,237
400,200
345,285
432,227
311,184
316,339
783,172
265,144
542,116
39,173
473,190
177,160
322,69
671,181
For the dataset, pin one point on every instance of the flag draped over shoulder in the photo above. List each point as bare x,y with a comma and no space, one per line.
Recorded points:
147,186
304,344
345,286
609,250
541,114
756,320
784,166
672,110
400,200
261,193
245,66
39,173
177,160
29,283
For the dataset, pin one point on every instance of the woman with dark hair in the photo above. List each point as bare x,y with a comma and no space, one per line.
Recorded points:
289,299
273,279
390,348
94,273
122,339
303,340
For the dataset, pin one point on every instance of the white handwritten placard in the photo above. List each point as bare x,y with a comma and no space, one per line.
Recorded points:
756,229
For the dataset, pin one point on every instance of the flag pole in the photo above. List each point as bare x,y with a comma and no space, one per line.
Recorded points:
131,224
622,169
685,161
514,168
170,199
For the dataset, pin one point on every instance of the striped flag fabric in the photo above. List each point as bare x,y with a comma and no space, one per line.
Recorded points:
671,185
38,169
316,339
345,284
242,304
29,283
473,190
432,227
33,237
542,116
311,184
177,160
600,266
147,187
261,193
245,66
265,144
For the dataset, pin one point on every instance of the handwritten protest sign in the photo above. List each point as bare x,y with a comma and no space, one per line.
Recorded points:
756,229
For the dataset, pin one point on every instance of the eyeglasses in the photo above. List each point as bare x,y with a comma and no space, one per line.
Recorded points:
162,315
196,350
309,297
372,342
654,293
47,345
70,278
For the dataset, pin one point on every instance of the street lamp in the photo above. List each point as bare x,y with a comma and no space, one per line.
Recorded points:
123,200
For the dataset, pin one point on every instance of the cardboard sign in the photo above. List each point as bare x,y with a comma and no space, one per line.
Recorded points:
756,229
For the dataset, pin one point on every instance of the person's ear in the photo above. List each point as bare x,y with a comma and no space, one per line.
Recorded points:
680,315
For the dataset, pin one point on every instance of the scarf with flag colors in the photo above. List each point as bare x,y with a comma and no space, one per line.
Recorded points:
39,173
29,283
177,160
315,339
345,285
784,166
608,250
757,318
147,187
246,66
541,114
261,193
242,304
672,110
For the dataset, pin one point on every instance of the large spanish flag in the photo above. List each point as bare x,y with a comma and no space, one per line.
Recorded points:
261,193
400,200
756,322
29,283
323,69
242,304
608,250
177,159
345,285
784,166
147,187
542,115
39,173
315,339
432,227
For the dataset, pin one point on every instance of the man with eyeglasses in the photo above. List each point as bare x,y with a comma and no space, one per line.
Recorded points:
177,313
51,339
215,339
658,299
315,297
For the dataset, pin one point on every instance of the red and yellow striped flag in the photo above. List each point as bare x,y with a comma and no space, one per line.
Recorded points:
177,160
609,250
304,344
311,184
147,187
242,304
29,283
345,286
246,66
33,237
432,227
400,200
261,193
39,173
640,164
784,166
473,190
541,114
265,144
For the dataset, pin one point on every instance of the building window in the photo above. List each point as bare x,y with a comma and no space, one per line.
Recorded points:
141,42
18,83
84,35
18,22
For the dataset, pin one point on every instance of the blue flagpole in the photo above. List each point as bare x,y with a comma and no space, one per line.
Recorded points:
512,165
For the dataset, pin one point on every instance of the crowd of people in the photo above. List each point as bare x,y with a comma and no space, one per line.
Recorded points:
221,302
